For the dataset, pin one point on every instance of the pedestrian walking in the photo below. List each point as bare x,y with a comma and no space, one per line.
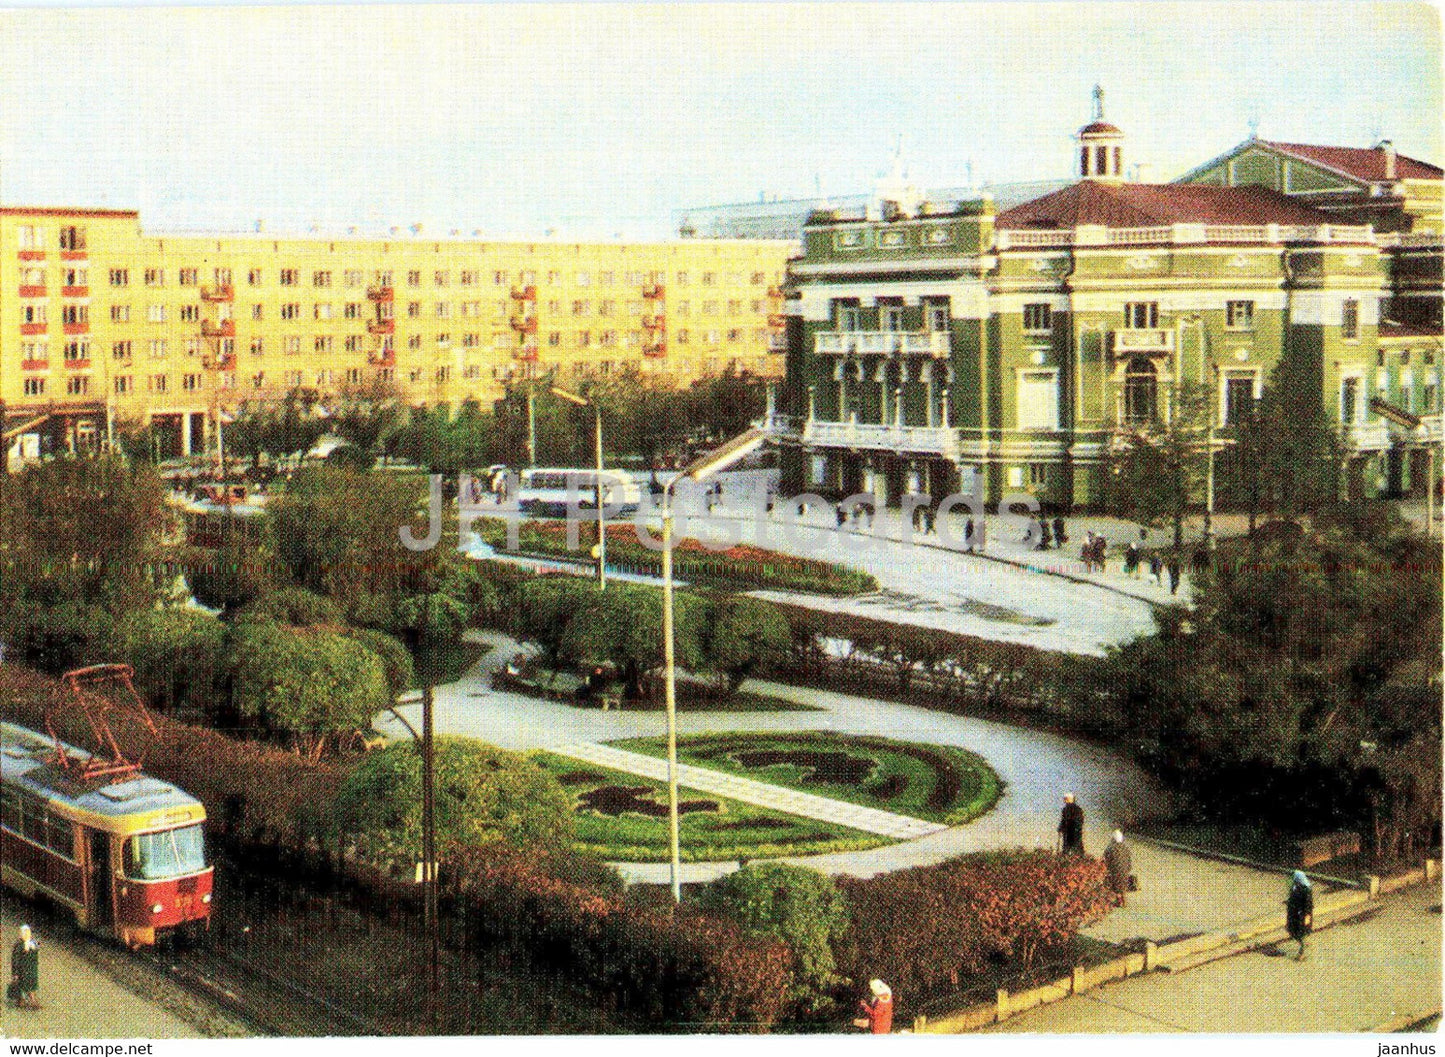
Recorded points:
1028,534
1071,827
981,535
1173,572
1101,548
968,535
841,514
1059,538
1046,538
1131,560
1086,552
1156,569
25,970
1299,910
1120,864
929,516
877,1009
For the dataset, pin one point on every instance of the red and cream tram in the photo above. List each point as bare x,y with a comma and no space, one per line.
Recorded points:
123,853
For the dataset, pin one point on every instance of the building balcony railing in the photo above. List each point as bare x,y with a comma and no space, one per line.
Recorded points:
777,320
75,291
78,365
31,255
225,328
34,328
382,358
32,291
882,342
218,293
73,255
656,351
923,440
524,324
527,354
75,328
380,293
381,326
1188,234
1132,340
775,292
35,365
658,322
653,293
524,293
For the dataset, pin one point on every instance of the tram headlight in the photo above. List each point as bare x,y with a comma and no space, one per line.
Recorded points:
206,898
156,908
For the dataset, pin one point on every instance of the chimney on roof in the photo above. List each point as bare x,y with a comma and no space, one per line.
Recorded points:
1388,149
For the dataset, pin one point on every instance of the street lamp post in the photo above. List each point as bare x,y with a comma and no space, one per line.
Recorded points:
698,470
597,444
427,872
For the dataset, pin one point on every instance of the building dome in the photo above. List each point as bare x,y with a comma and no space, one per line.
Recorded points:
1101,146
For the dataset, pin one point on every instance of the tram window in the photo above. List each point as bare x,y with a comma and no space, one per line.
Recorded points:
170,853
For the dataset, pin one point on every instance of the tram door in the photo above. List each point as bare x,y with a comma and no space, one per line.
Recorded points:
102,914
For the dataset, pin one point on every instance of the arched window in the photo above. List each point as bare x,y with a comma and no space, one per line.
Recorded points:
1141,392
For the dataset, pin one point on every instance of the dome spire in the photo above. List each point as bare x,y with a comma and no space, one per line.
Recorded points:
1101,146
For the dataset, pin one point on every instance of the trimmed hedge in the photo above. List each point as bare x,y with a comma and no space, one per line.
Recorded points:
929,929
675,968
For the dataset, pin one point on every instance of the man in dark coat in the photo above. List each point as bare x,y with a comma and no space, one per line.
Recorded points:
25,969
1120,865
1059,538
1071,827
1299,910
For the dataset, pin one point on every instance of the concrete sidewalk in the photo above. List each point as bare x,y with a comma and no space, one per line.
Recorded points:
80,1001
1377,973
759,794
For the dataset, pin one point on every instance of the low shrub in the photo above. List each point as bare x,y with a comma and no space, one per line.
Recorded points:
930,929
672,968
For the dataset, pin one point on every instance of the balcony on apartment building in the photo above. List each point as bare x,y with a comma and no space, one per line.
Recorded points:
918,440
524,293
218,293
380,293
1150,341
932,343
381,326
225,328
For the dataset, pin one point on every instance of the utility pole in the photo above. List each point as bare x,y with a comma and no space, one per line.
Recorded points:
531,425
429,863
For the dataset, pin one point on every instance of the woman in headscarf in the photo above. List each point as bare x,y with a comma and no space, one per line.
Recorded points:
1120,865
1300,910
877,1009
25,969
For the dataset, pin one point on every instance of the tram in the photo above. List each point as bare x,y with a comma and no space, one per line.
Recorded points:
124,853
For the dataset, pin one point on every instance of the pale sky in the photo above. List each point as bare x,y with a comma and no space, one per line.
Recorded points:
598,119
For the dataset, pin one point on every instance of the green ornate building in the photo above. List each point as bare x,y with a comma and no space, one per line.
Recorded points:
942,348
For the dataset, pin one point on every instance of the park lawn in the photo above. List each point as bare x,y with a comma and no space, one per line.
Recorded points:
939,783
734,831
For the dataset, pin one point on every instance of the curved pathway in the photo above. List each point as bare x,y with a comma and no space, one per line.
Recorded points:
1037,767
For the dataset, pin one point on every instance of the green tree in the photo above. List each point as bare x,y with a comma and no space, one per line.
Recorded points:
303,684
745,633
176,653
1158,471
483,795
81,530
799,906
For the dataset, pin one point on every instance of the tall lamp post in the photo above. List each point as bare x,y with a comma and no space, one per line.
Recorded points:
427,871
581,401
699,469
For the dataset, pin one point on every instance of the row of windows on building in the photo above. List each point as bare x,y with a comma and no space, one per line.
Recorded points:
191,382
1039,318
384,278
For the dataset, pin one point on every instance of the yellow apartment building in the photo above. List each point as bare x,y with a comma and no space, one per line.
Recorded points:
103,325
